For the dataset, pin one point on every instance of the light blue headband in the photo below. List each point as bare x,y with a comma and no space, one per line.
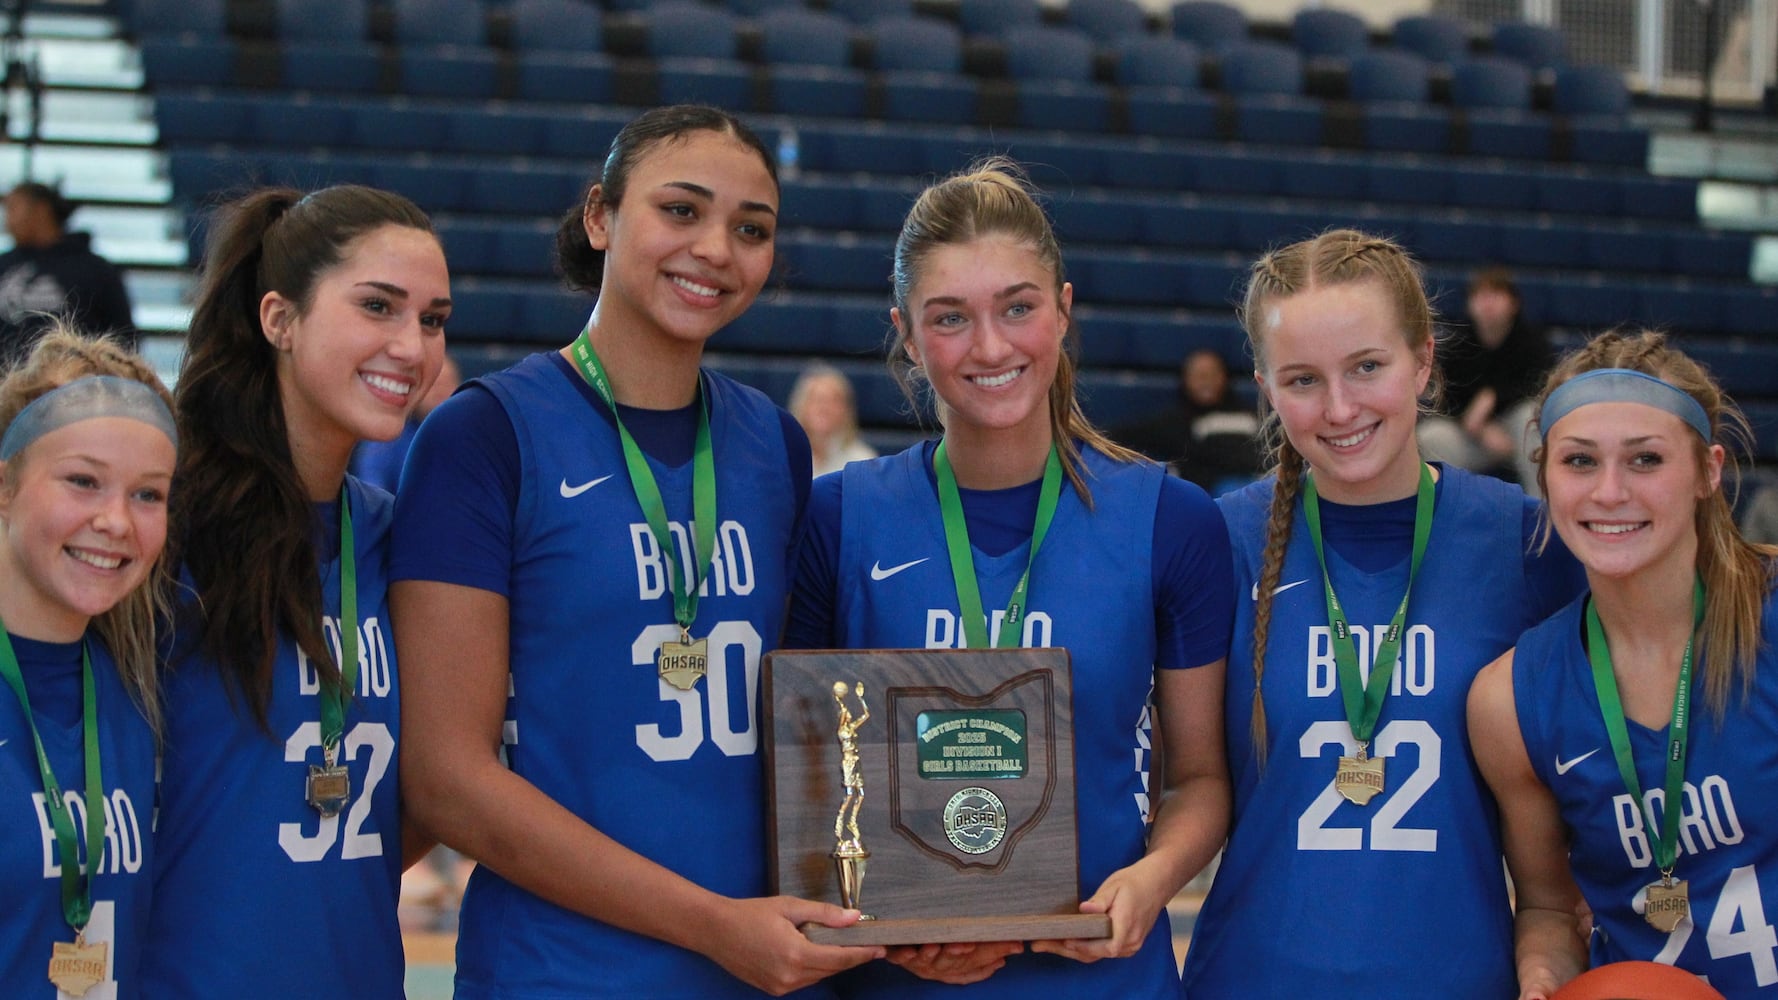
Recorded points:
85,399
1622,385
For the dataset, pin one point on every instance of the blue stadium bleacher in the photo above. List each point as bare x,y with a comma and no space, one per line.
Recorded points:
869,11
1209,24
1054,69
996,17
442,51
1108,21
557,51
1266,81
1160,80
1434,37
1534,45
1329,32
808,55
694,49
1394,88
1495,95
1159,214
920,65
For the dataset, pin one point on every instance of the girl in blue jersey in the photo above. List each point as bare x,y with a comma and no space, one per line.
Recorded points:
1364,857
582,655
1632,738
86,459
319,322
1131,575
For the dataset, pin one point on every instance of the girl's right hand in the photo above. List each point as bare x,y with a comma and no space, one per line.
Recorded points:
759,942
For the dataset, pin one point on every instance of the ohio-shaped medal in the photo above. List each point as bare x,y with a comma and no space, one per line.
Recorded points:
682,663
330,788
1669,901
75,967
1359,778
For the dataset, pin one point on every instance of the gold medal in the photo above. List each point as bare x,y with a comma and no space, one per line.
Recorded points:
1668,903
1359,778
329,788
682,663
77,967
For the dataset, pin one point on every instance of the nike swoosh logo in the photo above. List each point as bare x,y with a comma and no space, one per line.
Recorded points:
1564,766
878,573
1281,588
570,492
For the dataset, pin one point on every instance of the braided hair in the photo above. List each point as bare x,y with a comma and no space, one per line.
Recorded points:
1336,257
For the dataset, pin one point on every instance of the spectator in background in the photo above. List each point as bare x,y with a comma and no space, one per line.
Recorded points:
379,462
1207,436
52,272
823,402
1493,367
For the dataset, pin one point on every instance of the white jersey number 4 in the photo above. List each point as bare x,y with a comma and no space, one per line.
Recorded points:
1739,903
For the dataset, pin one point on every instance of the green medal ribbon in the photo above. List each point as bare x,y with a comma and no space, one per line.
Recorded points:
1364,701
969,594
77,889
334,695
1612,709
648,492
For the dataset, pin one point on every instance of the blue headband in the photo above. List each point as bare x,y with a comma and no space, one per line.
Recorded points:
1622,385
85,399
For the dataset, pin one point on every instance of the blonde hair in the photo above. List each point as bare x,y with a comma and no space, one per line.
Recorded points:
805,384
994,198
1737,573
128,629
1336,257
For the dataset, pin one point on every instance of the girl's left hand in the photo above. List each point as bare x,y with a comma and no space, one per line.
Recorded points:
1133,905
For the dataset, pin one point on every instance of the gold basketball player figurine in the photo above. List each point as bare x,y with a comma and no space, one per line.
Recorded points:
849,854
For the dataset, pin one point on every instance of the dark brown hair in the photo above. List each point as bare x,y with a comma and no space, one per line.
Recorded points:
581,266
243,523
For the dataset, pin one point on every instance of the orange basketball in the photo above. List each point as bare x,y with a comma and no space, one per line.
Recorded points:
1637,981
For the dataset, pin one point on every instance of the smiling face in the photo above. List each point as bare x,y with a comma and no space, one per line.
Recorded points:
358,360
1623,481
691,244
1338,367
85,512
986,321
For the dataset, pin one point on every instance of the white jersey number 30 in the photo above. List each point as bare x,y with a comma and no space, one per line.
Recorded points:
712,697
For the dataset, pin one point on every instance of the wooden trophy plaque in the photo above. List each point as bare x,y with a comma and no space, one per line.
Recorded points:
960,779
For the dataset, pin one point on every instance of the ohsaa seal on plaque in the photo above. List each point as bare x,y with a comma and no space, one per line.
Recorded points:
975,820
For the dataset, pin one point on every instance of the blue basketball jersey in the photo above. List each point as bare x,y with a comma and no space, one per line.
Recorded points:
1092,591
675,776
1404,897
1728,820
255,893
31,918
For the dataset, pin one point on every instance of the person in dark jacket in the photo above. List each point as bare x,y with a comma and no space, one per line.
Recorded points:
1207,435
1493,368
52,272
